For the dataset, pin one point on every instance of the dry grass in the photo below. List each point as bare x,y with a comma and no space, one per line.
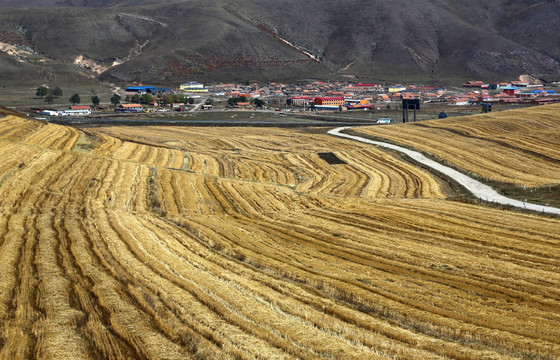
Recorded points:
235,243
516,146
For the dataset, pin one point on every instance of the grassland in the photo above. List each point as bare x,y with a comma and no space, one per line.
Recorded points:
243,243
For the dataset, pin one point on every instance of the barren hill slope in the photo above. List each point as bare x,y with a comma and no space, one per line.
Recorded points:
438,41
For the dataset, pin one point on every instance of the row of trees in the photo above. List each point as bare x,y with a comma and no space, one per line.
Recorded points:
259,103
45,91
51,94
48,93
95,100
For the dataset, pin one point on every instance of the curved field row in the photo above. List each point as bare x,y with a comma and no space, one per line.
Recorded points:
14,157
215,139
144,154
114,258
53,137
13,128
264,156
534,129
108,145
520,146
34,133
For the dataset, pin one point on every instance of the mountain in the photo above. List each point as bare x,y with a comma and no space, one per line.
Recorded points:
439,41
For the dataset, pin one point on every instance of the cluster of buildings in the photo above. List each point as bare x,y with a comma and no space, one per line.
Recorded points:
337,96
507,92
366,96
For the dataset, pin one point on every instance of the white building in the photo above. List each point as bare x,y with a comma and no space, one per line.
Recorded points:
193,86
78,110
50,112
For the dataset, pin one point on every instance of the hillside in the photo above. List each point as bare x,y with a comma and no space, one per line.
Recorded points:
173,41
515,146
239,243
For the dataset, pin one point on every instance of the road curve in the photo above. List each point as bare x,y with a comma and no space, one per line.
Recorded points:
478,189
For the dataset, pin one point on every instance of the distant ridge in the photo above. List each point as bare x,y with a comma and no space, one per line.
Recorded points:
217,40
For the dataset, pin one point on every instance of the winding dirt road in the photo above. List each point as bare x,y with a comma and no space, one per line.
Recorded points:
478,189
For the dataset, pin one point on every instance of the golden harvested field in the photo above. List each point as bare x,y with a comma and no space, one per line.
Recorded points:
516,146
243,243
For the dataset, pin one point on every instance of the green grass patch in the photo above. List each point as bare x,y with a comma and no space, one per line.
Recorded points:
86,143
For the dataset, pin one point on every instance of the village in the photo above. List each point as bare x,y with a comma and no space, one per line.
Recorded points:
313,97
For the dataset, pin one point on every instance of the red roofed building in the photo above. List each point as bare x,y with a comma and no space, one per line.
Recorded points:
80,107
476,84
78,110
130,108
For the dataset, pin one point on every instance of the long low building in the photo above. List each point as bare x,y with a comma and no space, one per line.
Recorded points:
193,86
74,110
329,101
130,108
78,110
147,89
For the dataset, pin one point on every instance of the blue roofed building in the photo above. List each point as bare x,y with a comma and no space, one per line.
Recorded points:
147,89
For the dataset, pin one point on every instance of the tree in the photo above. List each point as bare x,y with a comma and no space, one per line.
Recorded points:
56,92
75,99
168,99
95,100
190,100
135,98
115,99
49,99
231,101
234,101
258,103
42,91
179,98
146,99
209,101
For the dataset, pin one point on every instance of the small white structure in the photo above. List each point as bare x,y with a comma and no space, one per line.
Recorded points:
50,113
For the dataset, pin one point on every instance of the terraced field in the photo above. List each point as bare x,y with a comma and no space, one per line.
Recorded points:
219,243
517,146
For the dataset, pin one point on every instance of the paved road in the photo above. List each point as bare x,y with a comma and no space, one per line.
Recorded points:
478,189
196,106
140,121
